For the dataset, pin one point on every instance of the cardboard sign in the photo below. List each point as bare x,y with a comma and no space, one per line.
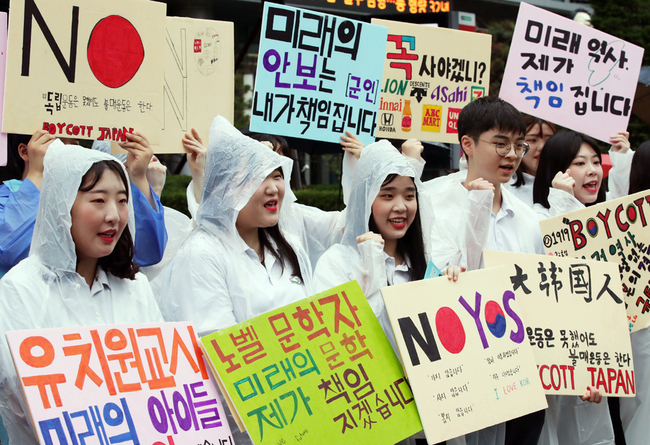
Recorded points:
570,74
140,383
318,75
199,78
427,81
572,351
463,345
3,67
613,231
85,69
318,371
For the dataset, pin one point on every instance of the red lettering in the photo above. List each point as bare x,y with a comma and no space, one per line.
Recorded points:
601,379
61,126
639,204
554,367
541,377
629,380
604,219
611,375
579,240
617,215
592,370
573,383
620,382
89,128
68,129
631,213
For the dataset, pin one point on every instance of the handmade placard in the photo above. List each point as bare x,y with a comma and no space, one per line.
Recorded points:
463,346
572,352
85,69
613,231
140,383
318,371
318,75
199,78
571,74
427,81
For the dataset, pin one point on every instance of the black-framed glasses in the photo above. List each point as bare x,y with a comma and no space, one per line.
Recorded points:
503,148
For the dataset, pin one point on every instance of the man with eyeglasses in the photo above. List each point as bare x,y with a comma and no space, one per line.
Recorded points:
477,212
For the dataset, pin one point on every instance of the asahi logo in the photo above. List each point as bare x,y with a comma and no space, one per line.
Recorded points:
387,119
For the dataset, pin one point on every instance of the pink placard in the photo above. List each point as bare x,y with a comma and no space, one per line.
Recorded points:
570,74
141,383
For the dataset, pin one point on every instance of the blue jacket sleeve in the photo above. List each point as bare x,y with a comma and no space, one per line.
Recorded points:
150,232
18,210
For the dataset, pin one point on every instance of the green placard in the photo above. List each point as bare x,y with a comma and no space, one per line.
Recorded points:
315,371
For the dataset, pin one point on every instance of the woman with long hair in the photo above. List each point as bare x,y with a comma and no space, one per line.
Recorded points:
80,270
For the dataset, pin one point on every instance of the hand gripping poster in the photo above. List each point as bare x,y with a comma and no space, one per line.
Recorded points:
318,75
427,81
571,74
317,371
464,348
142,384
575,321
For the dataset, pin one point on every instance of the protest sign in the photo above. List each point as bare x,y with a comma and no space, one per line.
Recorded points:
318,371
199,79
3,66
145,383
463,347
427,81
570,74
613,231
85,69
572,351
318,75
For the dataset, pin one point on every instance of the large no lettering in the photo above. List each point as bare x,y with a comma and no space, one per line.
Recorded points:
115,51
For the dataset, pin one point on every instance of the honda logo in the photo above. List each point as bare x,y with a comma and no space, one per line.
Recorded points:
387,119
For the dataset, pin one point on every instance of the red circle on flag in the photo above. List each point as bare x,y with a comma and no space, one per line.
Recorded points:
115,51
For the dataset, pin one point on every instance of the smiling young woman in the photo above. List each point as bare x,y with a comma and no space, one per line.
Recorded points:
80,270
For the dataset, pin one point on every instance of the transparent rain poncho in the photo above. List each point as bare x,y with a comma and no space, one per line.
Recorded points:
366,262
45,291
211,280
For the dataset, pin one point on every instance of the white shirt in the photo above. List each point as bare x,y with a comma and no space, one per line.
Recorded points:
525,191
217,283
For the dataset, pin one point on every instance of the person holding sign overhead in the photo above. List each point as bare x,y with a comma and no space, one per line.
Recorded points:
80,271
19,201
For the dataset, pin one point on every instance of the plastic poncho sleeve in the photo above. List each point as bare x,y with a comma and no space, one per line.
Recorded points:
341,264
202,294
18,209
619,175
560,202
192,205
477,226
150,233
320,229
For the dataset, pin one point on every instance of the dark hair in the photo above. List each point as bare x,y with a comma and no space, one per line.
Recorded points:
15,164
282,249
558,154
280,144
531,121
411,245
639,177
120,261
487,113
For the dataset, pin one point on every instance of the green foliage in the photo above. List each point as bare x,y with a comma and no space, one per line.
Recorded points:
173,195
629,21
501,33
325,197
242,120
